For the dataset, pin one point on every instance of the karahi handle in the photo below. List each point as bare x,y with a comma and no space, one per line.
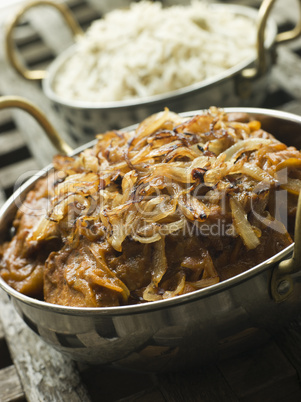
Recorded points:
22,103
10,47
261,62
281,282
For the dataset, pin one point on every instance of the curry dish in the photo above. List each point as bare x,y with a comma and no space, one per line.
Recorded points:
174,206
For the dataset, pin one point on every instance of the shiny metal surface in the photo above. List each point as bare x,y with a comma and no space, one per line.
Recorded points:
195,328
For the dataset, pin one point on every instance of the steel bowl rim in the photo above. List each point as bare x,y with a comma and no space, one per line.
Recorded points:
54,67
161,304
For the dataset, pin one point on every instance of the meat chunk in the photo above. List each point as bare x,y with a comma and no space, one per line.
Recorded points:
21,260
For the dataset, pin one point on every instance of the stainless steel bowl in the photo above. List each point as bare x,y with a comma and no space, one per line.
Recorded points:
194,328
241,85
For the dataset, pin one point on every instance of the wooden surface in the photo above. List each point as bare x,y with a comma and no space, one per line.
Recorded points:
32,371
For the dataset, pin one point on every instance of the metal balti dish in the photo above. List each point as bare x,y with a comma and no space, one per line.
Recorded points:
241,85
175,333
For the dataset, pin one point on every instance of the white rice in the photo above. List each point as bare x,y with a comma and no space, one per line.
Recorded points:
148,50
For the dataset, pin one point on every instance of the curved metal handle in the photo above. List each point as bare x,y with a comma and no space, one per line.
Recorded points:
24,104
9,42
281,283
263,14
